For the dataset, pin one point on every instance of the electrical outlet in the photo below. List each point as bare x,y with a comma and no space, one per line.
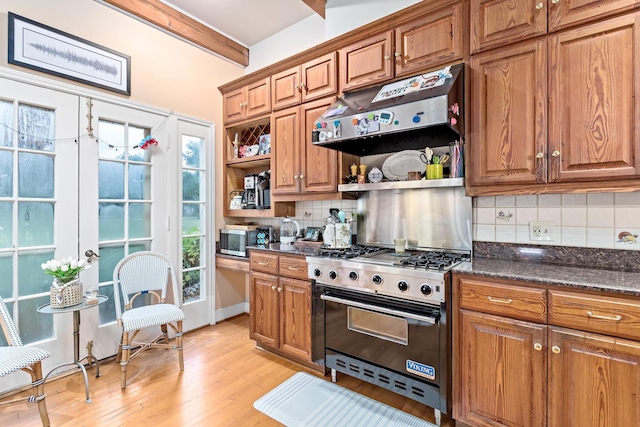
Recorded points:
541,230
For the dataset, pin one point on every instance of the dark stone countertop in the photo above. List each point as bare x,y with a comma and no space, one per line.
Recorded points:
615,271
299,248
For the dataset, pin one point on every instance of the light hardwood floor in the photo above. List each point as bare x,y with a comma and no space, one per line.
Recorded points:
224,374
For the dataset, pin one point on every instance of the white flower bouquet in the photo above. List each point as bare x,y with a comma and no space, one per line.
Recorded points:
64,270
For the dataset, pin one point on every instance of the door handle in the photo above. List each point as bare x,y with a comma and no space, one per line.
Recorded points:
90,255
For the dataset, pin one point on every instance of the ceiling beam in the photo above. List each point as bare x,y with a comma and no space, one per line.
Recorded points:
318,6
176,22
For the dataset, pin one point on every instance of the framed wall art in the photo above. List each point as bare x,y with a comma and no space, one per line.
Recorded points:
42,48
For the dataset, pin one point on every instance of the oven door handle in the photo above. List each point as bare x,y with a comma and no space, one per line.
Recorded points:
431,320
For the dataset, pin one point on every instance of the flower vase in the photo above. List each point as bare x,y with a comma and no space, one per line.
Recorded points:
66,294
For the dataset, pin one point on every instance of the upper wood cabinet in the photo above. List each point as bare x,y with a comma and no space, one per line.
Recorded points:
248,101
300,167
424,43
500,22
311,80
590,132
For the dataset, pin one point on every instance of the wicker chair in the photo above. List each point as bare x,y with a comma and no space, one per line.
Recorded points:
15,357
146,275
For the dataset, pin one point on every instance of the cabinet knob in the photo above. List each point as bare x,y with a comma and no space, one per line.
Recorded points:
296,177
279,289
539,6
555,349
297,86
273,287
539,155
303,85
537,346
301,176
555,1
555,153
396,54
387,57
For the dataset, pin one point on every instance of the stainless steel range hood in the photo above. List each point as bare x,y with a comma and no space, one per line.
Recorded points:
414,113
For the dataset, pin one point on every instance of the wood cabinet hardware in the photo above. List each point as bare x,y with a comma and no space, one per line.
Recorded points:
597,316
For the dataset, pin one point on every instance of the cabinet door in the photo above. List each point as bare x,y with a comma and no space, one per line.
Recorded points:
234,105
430,41
500,22
286,88
508,107
258,98
594,380
264,314
295,317
594,102
502,371
319,77
285,154
366,62
320,171
565,13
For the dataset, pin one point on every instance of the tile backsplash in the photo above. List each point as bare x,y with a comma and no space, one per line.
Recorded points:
598,220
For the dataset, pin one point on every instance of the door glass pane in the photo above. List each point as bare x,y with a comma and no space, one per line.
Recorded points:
35,175
6,173
31,278
139,182
109,257
139,220
111,221
6,123
191,285
191,185
35,223
111,140
34,326
36,128
6,279
136,137
110,180
191,217
191,147
6,225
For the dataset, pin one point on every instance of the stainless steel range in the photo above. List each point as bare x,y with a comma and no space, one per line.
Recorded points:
384,317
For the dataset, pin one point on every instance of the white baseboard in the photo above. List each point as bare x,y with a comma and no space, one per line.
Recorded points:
234,310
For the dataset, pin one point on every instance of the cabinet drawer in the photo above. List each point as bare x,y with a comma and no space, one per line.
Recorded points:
607,315
504,300
293,267
267,263
232,264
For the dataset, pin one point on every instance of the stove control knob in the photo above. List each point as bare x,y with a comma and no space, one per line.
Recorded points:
353,275
377,279
403,286
425,289
317,272
333,275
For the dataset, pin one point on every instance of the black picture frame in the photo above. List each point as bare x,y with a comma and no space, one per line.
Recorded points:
43,48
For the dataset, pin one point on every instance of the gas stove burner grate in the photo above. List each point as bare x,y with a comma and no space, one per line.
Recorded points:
434,260
350,252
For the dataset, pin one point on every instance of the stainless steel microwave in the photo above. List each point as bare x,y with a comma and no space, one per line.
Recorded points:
235,242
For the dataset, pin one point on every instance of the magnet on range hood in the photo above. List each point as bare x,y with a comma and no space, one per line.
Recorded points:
382,120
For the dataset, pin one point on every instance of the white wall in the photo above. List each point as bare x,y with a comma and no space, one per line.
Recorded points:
342,16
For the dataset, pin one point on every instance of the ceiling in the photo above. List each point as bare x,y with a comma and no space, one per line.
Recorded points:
246,21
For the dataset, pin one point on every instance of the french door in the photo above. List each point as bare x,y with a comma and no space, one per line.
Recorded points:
38,210
80,174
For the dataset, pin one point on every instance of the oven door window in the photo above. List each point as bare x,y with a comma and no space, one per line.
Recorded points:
383,326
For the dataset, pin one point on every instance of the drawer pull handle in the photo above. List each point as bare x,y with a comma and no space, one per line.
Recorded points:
597,316
537,346
294,268
555,349
500,300
262,263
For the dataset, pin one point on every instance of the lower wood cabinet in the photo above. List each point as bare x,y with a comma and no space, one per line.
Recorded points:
512,371
280,305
